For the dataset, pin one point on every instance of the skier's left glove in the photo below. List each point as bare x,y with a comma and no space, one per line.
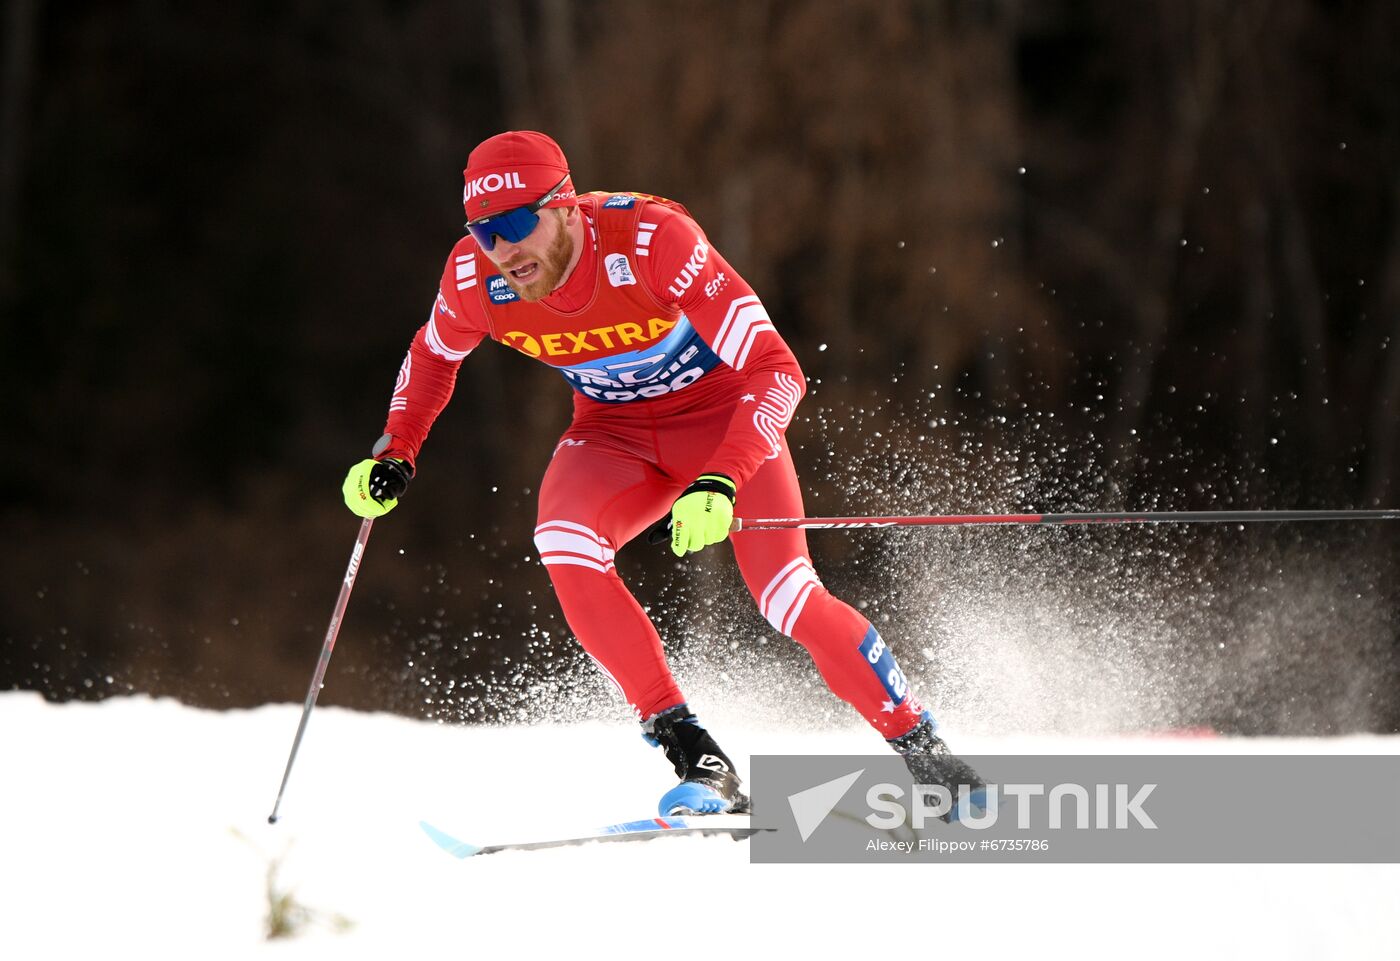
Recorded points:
702,514
373,487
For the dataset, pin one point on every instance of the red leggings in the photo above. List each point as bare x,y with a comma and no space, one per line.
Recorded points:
614,473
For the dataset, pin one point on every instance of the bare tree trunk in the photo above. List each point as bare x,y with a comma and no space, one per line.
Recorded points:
1198,74
508,35
568,111
1306,296
1380,459
1254,333
737,193
1299,266
21,37
1002,145
848,195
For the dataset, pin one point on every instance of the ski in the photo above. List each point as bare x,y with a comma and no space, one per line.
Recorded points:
736,826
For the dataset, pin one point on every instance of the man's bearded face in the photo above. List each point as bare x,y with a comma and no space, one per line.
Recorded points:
534,267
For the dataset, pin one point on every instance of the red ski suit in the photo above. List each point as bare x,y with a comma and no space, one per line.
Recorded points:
677,371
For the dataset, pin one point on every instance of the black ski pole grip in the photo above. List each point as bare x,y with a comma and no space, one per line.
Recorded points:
660,532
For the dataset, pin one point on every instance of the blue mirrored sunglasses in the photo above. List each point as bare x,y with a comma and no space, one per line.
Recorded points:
513,225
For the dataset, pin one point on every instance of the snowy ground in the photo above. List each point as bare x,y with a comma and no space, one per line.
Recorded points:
139,826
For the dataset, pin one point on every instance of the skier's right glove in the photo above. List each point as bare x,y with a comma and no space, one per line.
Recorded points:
373,487
702,514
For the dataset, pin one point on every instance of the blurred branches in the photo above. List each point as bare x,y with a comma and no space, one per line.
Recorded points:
1159,239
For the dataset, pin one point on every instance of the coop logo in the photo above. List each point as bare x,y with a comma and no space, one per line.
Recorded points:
491,183
691,269
499,291
619,270
1059,806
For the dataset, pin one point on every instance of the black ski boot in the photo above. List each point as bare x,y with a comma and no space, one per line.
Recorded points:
709,784
930,761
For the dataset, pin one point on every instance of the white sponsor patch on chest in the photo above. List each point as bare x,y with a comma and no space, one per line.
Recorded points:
619,270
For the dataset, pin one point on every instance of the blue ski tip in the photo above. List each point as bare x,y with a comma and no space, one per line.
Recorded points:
454,847
690,798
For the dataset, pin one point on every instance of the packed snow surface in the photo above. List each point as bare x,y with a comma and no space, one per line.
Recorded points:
139,826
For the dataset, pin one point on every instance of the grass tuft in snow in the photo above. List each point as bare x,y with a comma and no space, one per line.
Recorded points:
286,916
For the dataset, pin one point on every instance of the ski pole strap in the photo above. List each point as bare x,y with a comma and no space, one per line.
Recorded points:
1142,517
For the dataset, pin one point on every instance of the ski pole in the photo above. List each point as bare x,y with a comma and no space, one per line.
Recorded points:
1144,517
325,660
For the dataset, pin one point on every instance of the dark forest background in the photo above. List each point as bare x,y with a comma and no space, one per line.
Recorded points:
1067,254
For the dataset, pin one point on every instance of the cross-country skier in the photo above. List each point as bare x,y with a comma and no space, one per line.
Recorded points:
683,389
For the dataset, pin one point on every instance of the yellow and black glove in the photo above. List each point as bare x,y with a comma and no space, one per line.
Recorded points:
373,487
701,516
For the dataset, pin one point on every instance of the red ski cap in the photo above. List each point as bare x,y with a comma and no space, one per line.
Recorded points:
513,169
